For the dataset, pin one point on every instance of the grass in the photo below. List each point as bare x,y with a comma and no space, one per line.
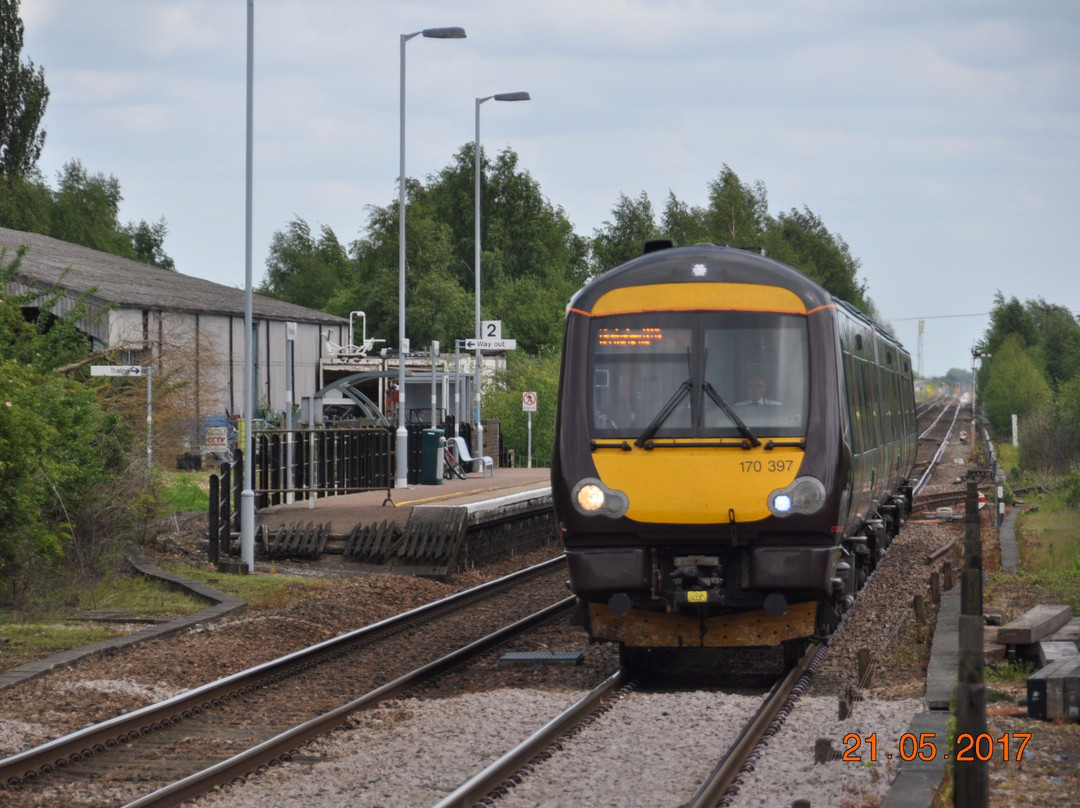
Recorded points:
29,636
185,491
1009,672
25,641
258,591
138,597
25,637
1049,547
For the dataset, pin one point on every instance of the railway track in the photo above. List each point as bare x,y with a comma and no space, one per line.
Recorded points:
93,758
181,747
936,422
607,711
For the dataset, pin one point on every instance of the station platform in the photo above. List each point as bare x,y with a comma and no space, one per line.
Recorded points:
347,510
431,530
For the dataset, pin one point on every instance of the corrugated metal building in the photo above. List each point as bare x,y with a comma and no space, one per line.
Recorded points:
175,323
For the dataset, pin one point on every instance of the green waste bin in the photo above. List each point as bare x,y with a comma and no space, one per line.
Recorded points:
432,443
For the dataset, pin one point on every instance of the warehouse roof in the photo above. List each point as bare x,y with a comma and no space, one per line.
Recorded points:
133,284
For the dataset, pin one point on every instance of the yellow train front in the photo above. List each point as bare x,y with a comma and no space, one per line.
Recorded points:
732,450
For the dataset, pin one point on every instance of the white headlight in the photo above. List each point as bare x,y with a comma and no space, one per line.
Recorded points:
805,495
592,498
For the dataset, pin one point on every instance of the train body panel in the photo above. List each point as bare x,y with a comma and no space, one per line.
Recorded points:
683,493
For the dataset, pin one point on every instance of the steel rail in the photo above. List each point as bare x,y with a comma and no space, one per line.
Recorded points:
282,745
492,776
110,733
724,773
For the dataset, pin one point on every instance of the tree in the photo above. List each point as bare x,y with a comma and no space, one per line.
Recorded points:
621,239
25,203
60,451
531,263
304,270
148,243
801,239
683,223
738,212
1060,338
538,373
23,97
86,211
1014,384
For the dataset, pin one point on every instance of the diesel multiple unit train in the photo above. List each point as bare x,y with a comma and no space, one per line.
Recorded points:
733,451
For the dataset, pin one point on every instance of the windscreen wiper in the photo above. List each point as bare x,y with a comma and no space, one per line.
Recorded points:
665,412
718,400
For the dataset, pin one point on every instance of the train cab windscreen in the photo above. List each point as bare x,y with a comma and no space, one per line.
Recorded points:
709,374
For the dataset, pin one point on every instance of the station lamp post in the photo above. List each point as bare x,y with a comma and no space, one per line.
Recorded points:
401,443
247,492
478,441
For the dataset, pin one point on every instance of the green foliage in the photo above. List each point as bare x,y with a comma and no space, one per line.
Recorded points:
1013,384
1031,368
185,493
25,203
59,450
84,209
531,263
1009,672
305,270
801,239
34,640
738,212
539,374
1072,490
148,243
737,215
257,591
621,239
23,97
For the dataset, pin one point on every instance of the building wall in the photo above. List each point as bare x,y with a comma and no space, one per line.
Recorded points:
206,353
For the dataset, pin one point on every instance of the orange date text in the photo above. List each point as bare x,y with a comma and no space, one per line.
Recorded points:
969,748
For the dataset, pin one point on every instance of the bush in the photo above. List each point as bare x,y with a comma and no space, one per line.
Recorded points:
71,493
1072,490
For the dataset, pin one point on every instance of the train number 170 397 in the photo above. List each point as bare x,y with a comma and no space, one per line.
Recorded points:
756,466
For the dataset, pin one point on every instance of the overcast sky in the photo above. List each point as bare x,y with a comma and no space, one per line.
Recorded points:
939,138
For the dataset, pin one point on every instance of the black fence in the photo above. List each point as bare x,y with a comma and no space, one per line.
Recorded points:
301,464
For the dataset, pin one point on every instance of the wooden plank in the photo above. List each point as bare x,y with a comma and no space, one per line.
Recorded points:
1054,691
1051,651
1070,632
1034,625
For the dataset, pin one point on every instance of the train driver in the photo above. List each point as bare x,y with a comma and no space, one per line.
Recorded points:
755,393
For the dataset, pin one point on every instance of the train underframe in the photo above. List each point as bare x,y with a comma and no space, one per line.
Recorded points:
765,594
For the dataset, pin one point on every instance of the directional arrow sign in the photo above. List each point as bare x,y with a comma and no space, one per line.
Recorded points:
491,344
116,370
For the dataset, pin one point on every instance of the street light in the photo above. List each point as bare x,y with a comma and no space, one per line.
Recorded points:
478,441
247,493
401,442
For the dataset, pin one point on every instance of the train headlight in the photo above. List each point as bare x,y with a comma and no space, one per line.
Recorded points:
805,495
592,498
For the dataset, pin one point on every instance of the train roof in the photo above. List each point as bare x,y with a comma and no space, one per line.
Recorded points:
698,263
